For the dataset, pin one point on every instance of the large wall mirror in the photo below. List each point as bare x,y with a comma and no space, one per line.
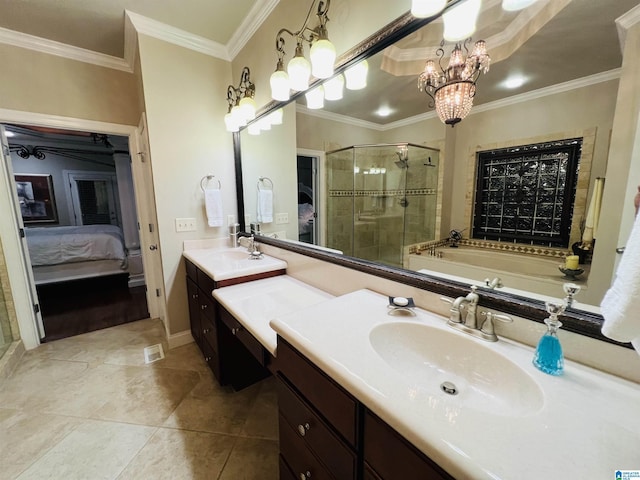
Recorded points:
377,176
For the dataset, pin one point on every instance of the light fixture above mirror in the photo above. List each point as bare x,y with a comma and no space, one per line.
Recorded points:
242,106
299,69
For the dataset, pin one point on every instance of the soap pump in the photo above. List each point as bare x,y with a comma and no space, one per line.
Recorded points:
549,357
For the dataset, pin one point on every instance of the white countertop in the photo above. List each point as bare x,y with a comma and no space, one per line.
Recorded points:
587,424
225,263
255,303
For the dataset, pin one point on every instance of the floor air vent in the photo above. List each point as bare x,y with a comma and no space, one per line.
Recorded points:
153,353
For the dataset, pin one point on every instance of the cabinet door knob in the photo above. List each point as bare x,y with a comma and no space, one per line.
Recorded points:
203,306
206,330
194,296
302,429
305,476
235,331
206,359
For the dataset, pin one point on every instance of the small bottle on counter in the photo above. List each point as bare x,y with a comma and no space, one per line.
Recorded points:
549,357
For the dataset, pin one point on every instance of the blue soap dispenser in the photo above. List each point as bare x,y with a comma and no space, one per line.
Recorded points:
548,357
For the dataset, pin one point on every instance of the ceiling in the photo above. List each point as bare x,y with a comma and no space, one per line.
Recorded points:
98,25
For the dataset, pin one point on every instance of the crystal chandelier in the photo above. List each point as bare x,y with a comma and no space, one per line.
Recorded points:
452,89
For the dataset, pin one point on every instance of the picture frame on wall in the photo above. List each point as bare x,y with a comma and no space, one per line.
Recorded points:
36,198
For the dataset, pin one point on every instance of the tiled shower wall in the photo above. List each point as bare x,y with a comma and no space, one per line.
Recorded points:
366,218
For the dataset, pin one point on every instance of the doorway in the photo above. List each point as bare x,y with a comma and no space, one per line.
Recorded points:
307,167
84,257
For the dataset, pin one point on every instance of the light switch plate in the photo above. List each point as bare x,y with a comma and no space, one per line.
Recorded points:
185,224
282,218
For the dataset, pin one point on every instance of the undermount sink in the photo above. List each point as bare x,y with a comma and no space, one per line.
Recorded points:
459,369
223,264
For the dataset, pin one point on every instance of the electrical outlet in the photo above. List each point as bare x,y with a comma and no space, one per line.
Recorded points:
282,218
185,224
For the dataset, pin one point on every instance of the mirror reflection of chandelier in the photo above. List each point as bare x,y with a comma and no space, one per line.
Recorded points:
452,89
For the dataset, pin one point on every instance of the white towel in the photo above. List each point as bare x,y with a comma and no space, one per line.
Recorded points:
213,206
621,304
265,206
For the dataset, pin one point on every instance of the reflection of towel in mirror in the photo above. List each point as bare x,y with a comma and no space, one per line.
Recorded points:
621,304
265,206
213,206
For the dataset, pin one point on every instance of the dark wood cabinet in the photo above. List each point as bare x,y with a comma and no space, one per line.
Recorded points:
327,433
234,355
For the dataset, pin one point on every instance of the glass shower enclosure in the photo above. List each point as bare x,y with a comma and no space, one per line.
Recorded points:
380,199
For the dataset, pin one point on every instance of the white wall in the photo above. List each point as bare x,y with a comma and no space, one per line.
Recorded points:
184,94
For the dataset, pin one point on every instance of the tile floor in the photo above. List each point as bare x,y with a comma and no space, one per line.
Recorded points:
88,408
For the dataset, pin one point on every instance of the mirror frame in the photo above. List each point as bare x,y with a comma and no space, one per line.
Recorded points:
574,320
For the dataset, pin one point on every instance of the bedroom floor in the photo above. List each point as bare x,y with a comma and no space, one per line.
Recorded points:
81,306
88,407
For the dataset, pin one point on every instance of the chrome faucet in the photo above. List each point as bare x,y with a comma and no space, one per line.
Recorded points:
495,283
469,304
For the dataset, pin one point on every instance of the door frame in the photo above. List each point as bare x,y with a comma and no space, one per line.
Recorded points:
19,277
320,199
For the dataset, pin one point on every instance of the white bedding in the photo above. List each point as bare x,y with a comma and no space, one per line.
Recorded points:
57,245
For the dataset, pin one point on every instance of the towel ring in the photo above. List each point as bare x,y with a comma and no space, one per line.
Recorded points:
206,179
264,179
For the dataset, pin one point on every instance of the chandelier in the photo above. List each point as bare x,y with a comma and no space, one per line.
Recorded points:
452,89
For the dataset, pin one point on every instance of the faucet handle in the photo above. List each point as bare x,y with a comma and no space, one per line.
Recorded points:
488,327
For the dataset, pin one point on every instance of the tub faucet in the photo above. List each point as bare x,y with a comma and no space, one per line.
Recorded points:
495,283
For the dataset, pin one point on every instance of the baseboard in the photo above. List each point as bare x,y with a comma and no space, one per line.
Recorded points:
180,339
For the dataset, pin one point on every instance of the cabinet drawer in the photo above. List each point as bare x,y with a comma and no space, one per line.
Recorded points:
206,283
392,457
192,270
327,397
241,333
298,457
212,360
194,309
337,457
210,333
207,307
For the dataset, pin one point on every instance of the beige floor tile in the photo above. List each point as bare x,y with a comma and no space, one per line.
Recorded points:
211,408
252,459
25,437
149,397
262,420
180,454
94,450
186,357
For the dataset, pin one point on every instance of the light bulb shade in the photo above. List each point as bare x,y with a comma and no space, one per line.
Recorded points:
460,21
276,117
230,122
334,88
513,5
315,98
238,116
279,85
299,70
426,8
254,128
356,76
248,107
454,101
323,56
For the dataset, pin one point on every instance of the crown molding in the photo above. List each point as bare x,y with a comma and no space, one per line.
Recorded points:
625,22
51,47
256,16
505,102
176,36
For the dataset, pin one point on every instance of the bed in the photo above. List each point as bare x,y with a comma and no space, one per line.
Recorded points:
60,254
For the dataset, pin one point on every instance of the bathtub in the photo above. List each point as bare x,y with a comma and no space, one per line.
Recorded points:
529,273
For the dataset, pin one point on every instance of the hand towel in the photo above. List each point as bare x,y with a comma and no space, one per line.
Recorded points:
265,206
621,304
213,206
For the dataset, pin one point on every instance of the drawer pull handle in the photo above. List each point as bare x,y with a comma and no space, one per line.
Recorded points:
235,331
206,330
194,295
305,476
302,429
207,359
203,306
